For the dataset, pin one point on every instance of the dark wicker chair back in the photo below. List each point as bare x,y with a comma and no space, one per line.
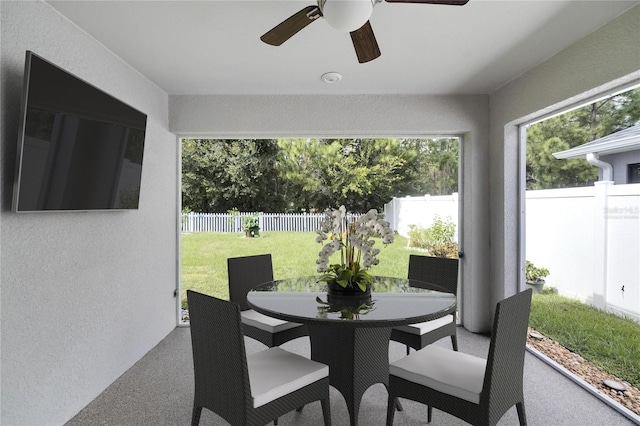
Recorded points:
246,273
219,358
441,271
502,387
434,273
221,370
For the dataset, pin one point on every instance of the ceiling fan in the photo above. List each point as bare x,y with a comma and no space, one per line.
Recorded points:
350,16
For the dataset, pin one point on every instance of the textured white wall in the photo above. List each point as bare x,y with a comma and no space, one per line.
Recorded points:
605,60
83,295
326,115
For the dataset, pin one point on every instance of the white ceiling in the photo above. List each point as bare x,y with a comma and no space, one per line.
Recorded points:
213,47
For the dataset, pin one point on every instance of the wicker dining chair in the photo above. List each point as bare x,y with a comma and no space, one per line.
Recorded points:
244,274
246,389
443,273
475,390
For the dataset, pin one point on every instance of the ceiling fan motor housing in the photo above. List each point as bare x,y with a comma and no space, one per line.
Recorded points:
346,15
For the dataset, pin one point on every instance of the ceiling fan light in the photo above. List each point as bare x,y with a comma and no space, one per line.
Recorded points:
347,15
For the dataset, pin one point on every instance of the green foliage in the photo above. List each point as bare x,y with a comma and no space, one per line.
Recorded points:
448,249
533,273
218,175
251,226
609,341
344,277
435,169
360,173
572,129
436,239
293,175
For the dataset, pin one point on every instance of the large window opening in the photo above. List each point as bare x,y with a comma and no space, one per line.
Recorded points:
583,235
253,196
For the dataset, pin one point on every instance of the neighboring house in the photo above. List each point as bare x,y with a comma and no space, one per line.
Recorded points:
617,155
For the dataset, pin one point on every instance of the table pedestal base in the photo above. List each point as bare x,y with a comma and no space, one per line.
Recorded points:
357,358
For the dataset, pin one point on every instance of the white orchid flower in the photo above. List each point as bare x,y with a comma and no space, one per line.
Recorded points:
353,237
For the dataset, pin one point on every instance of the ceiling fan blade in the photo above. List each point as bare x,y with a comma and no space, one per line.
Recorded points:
365,43
446,2
290,26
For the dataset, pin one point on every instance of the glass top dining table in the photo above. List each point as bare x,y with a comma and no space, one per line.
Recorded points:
348,333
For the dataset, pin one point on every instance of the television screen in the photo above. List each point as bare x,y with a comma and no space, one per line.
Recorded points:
78,147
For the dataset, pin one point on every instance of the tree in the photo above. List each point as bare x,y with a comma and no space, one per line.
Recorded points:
304,167
572,129
435,170
219,175
560,133
313,174
359,173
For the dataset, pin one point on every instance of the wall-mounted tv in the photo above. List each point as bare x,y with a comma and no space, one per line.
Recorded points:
79,148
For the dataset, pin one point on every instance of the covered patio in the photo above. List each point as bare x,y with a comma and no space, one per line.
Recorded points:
89,313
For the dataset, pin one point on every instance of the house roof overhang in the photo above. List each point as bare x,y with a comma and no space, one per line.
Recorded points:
622,141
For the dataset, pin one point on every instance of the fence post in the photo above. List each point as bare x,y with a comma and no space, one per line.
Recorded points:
600,240
390,213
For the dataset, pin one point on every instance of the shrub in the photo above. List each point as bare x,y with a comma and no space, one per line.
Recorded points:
533,273
251,226
438,238
416,237
448,249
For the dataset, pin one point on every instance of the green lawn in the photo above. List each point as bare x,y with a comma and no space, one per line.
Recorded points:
608,341
204,257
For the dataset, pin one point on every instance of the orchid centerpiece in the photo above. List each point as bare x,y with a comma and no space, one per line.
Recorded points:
354,239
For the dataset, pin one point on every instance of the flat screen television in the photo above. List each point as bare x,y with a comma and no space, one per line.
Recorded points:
79,148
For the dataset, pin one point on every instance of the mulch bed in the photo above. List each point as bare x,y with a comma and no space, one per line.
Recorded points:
586,370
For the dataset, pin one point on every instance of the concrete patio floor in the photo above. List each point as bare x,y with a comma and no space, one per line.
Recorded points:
158,390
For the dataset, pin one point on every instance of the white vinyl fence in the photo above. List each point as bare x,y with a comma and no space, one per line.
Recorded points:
269,222
421,211
588,238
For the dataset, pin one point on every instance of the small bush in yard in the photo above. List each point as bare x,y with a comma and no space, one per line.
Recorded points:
250,226
437,239
448,249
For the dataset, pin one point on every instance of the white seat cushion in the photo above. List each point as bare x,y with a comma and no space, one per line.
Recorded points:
447,371
425,327
263,322
275,372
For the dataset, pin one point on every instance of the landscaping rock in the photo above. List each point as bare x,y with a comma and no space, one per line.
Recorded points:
587,371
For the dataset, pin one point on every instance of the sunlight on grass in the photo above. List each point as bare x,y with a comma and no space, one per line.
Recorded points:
204,257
